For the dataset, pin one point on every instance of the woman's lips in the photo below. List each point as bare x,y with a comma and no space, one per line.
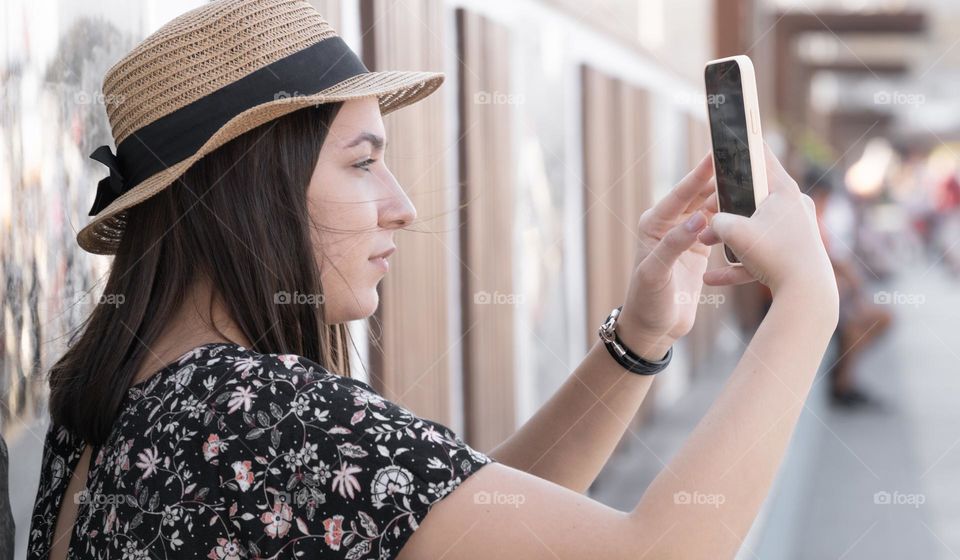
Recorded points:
381,263
380,260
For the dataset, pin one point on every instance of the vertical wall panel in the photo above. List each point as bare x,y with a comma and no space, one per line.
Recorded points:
409,331
617,187
332,11
486,236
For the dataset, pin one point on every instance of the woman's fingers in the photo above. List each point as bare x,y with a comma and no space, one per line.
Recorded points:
727,276
655,267
701,198
709,206
696,182
708,236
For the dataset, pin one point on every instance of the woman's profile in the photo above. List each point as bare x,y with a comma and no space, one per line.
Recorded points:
205,408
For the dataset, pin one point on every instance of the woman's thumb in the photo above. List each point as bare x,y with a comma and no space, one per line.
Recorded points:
732,229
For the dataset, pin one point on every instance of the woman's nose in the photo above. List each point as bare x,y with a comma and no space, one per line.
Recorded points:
399,211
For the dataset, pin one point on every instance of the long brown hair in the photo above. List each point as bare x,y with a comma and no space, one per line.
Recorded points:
239,218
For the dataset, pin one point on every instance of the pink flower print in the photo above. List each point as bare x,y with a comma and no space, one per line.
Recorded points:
225,550
243,476
245,366
148,461
111,519
288,360
277,521
213,446
334,531
344,481
241,397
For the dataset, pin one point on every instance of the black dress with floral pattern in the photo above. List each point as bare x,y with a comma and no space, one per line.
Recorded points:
228,453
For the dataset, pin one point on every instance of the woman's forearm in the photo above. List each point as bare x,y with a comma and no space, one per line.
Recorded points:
568,440
705,501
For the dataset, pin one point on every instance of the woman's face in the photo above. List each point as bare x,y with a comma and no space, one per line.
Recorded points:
357,205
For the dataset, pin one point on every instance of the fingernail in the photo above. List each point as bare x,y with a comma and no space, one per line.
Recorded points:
695,222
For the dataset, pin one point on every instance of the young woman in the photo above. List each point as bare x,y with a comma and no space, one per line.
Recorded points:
205,408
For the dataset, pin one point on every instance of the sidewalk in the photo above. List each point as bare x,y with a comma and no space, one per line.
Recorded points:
907,453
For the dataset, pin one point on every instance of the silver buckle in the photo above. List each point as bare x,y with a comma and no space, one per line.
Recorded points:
607,329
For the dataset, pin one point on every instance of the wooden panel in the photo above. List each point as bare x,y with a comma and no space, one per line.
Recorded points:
409,338
487,183
617,187
332,11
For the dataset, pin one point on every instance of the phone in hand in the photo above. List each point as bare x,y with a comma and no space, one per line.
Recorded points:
733,114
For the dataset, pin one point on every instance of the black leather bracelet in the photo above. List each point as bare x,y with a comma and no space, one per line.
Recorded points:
630,361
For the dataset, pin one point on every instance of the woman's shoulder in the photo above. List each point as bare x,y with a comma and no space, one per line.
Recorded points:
320,462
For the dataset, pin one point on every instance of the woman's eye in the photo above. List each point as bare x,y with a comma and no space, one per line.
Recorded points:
365,164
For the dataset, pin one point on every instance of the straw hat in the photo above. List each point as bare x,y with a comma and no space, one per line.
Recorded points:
212,74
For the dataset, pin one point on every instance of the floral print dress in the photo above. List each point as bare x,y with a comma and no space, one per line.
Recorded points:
227,453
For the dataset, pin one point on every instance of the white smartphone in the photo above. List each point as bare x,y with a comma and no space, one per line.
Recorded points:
733,112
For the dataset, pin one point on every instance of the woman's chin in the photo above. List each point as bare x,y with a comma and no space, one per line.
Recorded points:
362,307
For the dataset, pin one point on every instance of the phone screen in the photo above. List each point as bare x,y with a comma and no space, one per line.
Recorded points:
731,152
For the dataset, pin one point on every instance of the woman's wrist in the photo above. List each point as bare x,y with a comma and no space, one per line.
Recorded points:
817,303
649,346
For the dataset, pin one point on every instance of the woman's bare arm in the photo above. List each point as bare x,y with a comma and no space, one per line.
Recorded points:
718,480
700,506
572,435
704,502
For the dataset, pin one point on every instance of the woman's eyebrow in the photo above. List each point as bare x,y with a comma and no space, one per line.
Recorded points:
378,142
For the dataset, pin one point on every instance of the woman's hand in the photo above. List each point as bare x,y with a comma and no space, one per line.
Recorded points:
667,278
779,245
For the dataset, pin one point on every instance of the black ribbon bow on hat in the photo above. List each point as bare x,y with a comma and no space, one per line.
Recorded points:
109,188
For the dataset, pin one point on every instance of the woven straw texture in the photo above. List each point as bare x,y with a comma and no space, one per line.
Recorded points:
205,49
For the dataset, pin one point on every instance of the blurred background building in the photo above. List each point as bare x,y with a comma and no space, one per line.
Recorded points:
559,123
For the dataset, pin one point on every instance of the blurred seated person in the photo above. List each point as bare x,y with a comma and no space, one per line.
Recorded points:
861,319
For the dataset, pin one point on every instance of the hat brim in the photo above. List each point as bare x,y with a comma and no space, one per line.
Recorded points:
394,89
